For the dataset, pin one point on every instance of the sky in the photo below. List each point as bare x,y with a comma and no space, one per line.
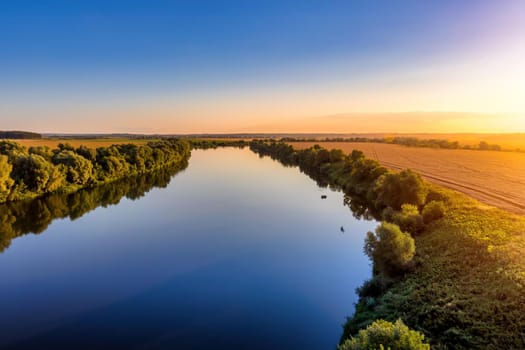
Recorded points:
262,66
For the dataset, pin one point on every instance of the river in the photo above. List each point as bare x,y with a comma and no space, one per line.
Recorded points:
235,251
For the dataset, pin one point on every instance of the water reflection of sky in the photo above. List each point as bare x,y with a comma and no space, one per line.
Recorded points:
237,251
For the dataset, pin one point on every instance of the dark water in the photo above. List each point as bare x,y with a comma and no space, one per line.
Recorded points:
233,252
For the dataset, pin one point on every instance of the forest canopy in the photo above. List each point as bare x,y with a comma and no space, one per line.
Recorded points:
28,173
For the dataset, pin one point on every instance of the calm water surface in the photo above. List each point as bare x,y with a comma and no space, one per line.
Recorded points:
235,252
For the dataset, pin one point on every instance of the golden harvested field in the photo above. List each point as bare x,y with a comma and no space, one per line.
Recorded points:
494,178
92,143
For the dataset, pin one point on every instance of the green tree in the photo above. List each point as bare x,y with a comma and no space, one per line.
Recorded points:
12,149
88,153
395,189
79,169
409,219
35,172
383,335
43,151
5,177
391,249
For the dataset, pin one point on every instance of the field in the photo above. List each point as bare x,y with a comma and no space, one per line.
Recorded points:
92,143
494,178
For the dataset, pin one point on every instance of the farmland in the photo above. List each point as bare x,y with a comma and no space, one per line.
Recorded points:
494,178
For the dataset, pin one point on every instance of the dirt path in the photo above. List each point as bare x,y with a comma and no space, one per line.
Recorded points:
494,178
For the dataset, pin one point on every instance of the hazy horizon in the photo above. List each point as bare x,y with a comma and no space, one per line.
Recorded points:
263,66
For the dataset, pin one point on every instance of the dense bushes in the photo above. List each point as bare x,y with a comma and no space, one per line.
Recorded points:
390,249
383,335
212,144
5,179
408,219
434,210
40,170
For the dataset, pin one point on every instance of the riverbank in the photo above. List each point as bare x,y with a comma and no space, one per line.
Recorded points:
465,288
494,178
27,173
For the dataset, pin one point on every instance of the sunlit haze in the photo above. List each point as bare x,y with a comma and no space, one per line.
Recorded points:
262,66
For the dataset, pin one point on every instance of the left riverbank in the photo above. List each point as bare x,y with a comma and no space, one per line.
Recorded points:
32,172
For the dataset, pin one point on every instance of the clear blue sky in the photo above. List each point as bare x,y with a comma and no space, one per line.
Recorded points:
180,66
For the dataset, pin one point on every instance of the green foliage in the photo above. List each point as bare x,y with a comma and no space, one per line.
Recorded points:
5,177
88,153
390,249
365,173
28,174
79,170
383,335
409,219
395,189
11,149
432,211
374,287
212,144
36,174
42,151
466,290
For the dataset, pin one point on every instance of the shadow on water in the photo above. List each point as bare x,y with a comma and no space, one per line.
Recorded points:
180,314
34,216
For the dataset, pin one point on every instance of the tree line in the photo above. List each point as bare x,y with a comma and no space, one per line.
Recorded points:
405,141
213,144
402,201
19,135
29,173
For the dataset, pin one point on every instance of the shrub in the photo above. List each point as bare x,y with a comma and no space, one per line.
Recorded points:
374,287
390,249
386,335
409,219
433,211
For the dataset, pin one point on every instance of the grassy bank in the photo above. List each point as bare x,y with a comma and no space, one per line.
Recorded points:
465,286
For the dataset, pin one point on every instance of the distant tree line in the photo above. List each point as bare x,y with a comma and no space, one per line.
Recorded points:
402,201
405,141
212,144
19,135
34,216
28,173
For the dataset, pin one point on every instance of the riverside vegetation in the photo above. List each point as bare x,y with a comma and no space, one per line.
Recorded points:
448,266
29,173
